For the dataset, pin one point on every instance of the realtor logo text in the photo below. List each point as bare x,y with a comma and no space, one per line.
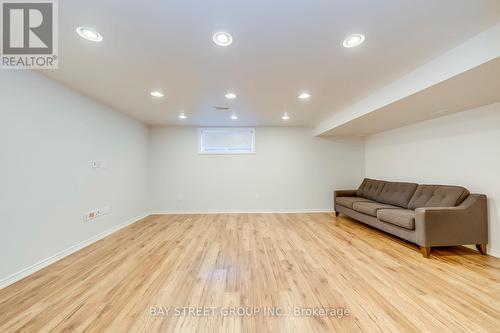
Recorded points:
29,34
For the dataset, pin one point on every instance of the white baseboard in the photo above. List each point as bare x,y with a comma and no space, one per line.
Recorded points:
251,211
4,282
494,252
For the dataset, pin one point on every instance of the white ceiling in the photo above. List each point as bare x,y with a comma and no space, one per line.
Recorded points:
280,48
470,89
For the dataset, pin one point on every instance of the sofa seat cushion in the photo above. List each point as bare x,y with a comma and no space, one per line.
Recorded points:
438,196
370,207
404,218
349,201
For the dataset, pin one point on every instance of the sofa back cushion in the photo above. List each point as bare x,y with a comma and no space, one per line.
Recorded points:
370,188
438,196
397,193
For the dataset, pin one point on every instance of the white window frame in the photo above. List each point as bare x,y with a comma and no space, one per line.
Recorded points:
225,152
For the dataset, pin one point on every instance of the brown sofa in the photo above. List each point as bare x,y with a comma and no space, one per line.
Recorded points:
428,215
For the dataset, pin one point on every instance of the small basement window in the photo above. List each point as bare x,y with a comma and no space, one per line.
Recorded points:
227,140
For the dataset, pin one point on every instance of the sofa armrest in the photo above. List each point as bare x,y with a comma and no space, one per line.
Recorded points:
464,224
343,193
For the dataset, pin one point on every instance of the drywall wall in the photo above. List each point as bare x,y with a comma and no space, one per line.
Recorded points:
49,136
291,171
461,149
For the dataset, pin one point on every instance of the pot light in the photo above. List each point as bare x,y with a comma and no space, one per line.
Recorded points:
234,116
222,38
304,96
89,33
285,116
230,95
353,40
182,115
157,94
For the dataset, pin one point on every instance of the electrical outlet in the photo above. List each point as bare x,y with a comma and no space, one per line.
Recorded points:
89,216
105,210
102,164
97,213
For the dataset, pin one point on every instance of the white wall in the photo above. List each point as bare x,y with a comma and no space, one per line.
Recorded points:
291,171
461,149
48,137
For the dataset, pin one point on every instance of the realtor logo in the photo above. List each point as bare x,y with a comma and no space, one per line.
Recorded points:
29,34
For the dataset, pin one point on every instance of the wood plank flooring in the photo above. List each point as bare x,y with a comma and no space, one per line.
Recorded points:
278,263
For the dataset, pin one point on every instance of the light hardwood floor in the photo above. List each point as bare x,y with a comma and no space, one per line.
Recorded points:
278,261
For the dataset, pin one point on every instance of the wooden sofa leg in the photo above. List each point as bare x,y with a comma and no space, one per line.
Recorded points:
336,213
481,248
426,251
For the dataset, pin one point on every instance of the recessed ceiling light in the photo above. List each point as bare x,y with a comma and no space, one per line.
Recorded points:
89,33
230,95
305,95
222,38
353,40
285,116
157,94
182,115
234,116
